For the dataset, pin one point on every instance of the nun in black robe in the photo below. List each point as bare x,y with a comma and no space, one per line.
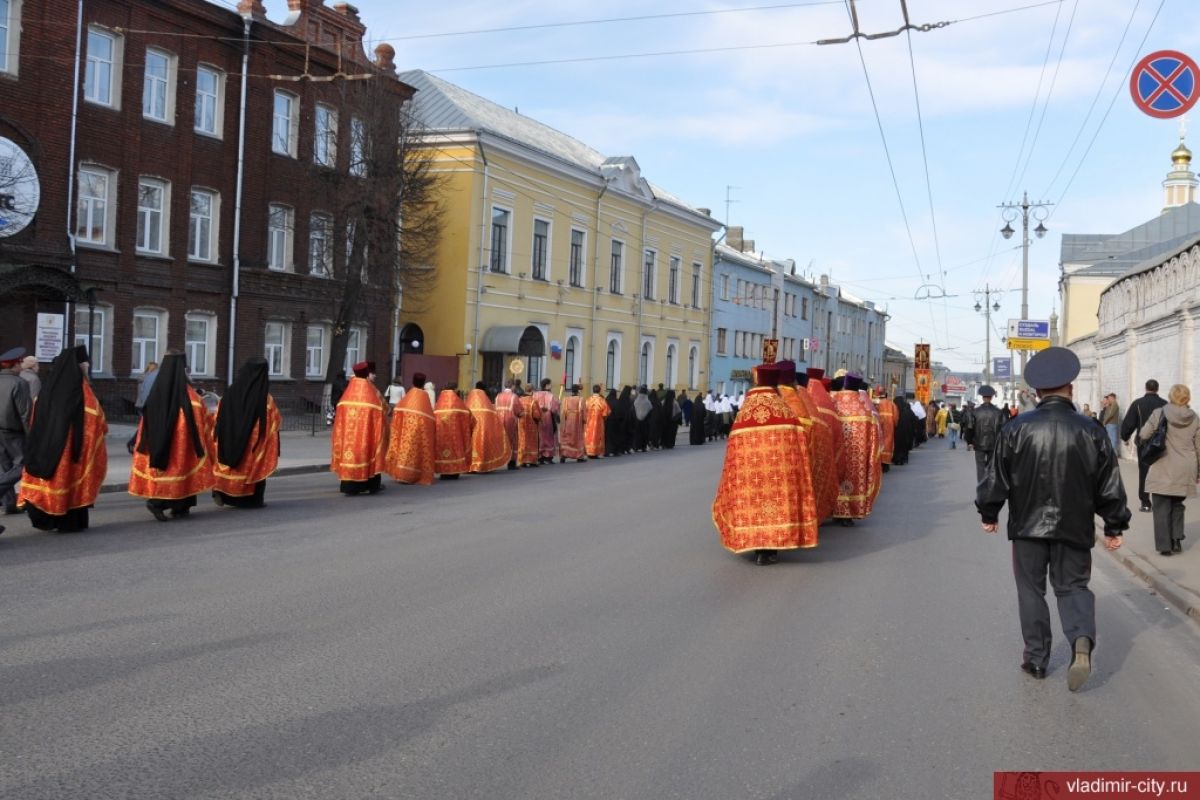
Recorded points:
244,412
629,421
671,416
654,423
906,427
641,421
696,429
613,424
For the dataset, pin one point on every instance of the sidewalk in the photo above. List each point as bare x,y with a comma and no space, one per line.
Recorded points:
300,452
1176,578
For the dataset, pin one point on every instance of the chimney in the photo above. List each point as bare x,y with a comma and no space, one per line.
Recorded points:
385,57
733,237
705,211
251,8
347,10
748,246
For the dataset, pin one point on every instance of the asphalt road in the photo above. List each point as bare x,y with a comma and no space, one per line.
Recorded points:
574,631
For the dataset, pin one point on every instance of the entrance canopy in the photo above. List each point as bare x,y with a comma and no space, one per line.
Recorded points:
522,340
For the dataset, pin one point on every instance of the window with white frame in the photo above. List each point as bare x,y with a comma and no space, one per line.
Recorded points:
153,203
575,265
10,35
202,225
803,308
648,269
101,84
199,342
149,326
356,340
616,268
721,335
358,147
325,136
158,86
693,358
669,374
612,364
673,281
210,100
314,351
540,250
93,330
724,287
281,228
569,359
95,207
696,267
285,123
645,364
276,344
320,244
500,226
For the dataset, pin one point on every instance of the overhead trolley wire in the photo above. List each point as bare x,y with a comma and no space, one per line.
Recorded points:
1046,103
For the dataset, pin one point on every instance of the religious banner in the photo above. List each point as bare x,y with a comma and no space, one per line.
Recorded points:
770,350
923,374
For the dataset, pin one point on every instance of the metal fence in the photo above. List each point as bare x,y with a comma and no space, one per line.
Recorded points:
298,413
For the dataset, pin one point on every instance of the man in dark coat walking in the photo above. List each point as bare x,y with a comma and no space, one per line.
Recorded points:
1140,411
1057,471
982,428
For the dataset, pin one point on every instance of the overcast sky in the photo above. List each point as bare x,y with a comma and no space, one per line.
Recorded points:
793,127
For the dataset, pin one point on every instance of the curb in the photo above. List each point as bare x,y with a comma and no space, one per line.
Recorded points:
1162,586
282,472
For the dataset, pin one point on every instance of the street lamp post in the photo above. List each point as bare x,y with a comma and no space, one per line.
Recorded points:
1010,212
986,308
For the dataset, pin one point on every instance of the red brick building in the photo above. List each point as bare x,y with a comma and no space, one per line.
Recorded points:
151,231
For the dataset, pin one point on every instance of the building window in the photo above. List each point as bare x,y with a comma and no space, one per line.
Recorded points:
803,308
281,227
359,151
100,84
541,242
153,201
275,348
95,208
314,352
696,267
202,225
285,124
351,232
616,268
569,361
199,338
648,275
692,376
147,328
320,245
355,345
10,35
210,100
325,137
724,287
721,341
499,258
670,371
673,282
578,239
158,86
97,340
644,364
612,364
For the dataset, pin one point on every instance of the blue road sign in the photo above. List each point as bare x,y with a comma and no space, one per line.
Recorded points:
1033,329
1164,84
1001,368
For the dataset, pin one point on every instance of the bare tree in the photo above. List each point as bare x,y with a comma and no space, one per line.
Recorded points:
388,209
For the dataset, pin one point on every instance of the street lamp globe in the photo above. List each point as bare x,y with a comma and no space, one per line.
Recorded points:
1040,230
996,306
978,307
1007,231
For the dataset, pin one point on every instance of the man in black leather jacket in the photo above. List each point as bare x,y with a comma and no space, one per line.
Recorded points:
982,428
1140,411
1057,471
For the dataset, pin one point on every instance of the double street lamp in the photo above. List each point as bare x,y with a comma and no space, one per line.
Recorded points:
986,310
1023,209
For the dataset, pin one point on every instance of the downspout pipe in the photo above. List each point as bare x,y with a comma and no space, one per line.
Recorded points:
483,230
74,131
247,21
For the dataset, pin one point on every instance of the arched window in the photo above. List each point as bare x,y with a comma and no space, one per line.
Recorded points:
644,369
670,374
692,382
611,366
569,361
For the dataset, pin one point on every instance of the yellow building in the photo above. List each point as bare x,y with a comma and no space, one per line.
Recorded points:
555,259
1091,262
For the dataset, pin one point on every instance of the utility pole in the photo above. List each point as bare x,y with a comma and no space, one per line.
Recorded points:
986,308
1010,212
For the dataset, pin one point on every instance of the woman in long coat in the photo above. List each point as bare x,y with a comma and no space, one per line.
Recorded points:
247,438
1172,478
67,457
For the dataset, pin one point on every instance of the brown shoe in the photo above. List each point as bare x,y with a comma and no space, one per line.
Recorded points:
1081,664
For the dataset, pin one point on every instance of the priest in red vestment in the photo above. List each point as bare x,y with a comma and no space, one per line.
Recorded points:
860,448
793,388
595,412
528,431
411,445
490,449
548,405
764,499
510,410
66,457
570,428
247,438
360,434
452,437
